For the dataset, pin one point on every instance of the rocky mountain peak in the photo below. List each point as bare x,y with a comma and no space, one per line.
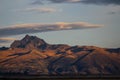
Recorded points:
28,37
28,42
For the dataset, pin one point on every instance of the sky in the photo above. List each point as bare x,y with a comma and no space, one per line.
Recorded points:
73,22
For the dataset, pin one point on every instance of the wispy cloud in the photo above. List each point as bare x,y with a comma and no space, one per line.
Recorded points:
114,10
54,1
37,2
100,2
111,13
3,40
41,10
41,27
67,1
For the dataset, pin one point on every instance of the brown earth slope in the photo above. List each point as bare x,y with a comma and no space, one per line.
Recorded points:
34,56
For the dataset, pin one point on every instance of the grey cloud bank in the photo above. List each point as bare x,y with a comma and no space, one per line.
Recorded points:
38,27
98,2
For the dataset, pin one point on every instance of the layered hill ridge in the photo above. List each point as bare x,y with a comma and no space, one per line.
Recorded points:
33,56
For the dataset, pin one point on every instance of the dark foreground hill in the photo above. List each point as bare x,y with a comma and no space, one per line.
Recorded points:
33,56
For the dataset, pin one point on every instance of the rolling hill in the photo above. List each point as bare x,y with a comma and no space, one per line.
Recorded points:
33,56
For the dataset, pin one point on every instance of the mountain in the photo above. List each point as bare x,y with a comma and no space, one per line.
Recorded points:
33,56
28,42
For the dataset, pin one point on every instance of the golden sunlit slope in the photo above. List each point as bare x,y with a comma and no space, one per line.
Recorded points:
33,56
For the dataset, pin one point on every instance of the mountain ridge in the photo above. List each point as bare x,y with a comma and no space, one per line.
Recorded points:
33,56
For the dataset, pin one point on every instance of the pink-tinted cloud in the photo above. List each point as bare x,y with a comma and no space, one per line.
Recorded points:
6,39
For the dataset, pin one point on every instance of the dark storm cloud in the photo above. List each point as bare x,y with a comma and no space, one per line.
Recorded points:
102,2
98,2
